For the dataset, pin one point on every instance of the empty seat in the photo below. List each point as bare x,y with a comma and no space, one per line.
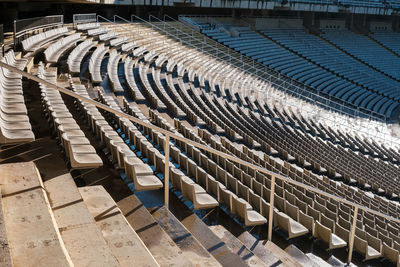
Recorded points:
200,200
250,217
370,248
141,174
325,234
290,226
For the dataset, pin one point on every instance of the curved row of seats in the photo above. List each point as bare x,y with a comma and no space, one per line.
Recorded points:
54,51
324,54
79,151
389,39
14,121
364,49
95,63
112,70
121,153
242,190
35,42
280,59
76,56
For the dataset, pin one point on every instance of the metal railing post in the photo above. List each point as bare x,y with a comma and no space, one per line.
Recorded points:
352,233
166,172
14,34
271,208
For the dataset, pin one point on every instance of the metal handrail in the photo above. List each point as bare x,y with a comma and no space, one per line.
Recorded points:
233,158
372,114
17,34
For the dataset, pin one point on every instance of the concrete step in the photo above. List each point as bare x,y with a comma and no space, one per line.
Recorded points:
318,260
32,231
5,257
257,247
284,257
125,244
236,246
300,257
163,248
82,238
333,261
190,246
211,242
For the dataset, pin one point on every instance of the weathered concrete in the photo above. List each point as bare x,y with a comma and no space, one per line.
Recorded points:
163,248
236,246
32,232
211,242
125,244
190,246
82,238
5,257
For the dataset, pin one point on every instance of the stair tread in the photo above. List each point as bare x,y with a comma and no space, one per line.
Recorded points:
299,256
211,242
31,229
317,260
190,246
82,238
125,244
236,246
163,248
5,257
283,256
259,249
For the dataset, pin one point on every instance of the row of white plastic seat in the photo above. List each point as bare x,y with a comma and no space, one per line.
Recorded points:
112,70
87,26
127,47
54,51
131,82
76,56
14,121
118,41
141,173
97,31
107,36
79,151
95,63
36,41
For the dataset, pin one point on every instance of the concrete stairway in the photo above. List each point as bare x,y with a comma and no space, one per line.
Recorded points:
32,231
82,238
236,246
125,244
164,249
56,224
187,242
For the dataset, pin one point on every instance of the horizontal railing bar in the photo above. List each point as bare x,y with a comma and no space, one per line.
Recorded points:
188,141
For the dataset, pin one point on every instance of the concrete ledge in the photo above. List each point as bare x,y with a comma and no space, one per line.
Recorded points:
125,244
32,232
81,236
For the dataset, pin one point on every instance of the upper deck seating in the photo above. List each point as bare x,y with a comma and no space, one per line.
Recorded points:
35,42
365,50
87,26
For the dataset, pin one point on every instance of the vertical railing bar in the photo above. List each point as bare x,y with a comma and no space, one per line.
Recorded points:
353,231
166,172
271,208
